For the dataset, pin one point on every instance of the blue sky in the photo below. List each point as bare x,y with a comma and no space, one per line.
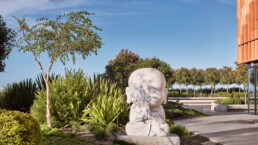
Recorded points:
184,33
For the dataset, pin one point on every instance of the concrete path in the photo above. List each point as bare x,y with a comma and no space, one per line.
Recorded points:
227,128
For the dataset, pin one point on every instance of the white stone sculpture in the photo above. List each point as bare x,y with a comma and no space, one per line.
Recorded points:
147,91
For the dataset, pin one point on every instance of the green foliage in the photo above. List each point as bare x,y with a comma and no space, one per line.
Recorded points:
197,76
173,94
182,77
7,38
18,128
174,110
179,130
54,136
105,108
212,77
170,122
41,83
18,96
160,65
229,101
102,132
69,35
119,69
223,94
177,94
68,99
227,76
241,74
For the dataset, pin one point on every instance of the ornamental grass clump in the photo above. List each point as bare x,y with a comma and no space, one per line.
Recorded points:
101,113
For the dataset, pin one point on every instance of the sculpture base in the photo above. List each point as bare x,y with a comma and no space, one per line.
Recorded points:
171,139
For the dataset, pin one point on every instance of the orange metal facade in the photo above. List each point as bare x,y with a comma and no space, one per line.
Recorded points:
247,31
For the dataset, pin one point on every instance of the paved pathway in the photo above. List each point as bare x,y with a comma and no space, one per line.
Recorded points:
227,128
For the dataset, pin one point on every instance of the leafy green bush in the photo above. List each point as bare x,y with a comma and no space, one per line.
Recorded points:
18,96
179,130
229,101
102,132
18,128
222,94
68,99
237,94
105,108
173,94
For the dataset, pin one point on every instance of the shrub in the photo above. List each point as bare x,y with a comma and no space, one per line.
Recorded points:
173,94
223,94
68,99
179,130
18,96
174,110
229,101
101,132
18,128
237,94
104,109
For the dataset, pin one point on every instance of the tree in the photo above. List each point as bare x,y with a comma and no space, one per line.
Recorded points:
160,65
241,77
197,77
119,69
212,78
227,76
182,77
7,40
61,38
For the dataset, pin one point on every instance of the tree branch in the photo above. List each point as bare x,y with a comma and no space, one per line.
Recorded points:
35,57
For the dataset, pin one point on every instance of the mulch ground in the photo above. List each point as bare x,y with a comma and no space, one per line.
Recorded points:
196,140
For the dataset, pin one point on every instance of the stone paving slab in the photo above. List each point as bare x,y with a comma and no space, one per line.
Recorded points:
226,128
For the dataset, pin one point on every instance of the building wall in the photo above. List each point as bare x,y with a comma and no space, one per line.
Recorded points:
247,31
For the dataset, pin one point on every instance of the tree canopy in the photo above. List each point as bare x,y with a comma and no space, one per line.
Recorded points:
212,77
160,65
227,76
119,69
7,39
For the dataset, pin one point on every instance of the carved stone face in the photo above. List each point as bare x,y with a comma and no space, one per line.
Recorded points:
147,85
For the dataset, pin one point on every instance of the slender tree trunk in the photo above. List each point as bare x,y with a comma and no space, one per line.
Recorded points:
180,89
200,91
227,88
48,115
211,91
238,88
245,88
194,91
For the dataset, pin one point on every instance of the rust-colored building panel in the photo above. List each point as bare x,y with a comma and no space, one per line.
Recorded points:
247,30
